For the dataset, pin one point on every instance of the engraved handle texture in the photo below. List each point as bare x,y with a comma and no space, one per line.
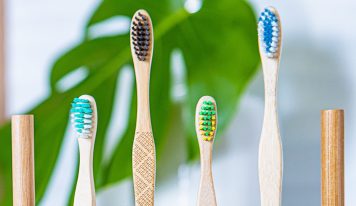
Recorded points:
144,168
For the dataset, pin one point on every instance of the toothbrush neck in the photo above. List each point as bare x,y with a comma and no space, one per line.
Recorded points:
206,157
270,83
143,102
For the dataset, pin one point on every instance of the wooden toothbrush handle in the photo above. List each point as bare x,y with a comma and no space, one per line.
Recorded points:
206,194
270,161
144,168
332,157
23,174
85,188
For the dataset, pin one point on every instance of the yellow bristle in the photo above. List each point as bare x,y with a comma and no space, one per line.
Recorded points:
213,123
213,117
211,133
213,128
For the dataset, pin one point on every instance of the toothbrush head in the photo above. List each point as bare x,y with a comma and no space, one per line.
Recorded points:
206,118
269,32
141,36
83,118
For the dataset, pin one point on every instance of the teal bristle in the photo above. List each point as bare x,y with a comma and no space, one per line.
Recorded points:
81,113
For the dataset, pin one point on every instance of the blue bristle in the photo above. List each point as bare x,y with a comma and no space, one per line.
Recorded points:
81,110
267,21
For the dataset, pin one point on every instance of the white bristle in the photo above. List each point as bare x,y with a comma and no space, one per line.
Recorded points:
88,116
87,121
87,126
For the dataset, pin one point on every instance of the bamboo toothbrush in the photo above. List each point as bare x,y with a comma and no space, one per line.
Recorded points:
270,149
205,126
84,120
143,153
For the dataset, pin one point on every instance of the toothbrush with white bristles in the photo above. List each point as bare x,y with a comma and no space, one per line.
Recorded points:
84,120
270,149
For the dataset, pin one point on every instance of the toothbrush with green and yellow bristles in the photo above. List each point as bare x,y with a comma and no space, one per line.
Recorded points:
270,149
84,120
206,125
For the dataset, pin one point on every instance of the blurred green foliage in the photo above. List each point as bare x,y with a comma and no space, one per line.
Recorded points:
219,47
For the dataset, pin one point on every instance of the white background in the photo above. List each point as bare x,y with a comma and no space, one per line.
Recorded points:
318,72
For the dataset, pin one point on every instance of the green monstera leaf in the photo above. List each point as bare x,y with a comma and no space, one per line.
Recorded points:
219,48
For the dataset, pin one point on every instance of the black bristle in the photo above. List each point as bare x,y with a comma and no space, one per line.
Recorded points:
141,36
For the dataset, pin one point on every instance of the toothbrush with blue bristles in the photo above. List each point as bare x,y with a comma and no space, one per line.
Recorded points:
84,121
270,149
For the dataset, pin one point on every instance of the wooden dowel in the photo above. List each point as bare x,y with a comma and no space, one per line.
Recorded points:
332,157
23,160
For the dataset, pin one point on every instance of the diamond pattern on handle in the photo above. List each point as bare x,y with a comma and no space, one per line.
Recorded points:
144,168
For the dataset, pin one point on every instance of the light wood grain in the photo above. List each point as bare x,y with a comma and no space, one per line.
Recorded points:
85,188
2,64
206,194
143,153
23,160
270,149
332,157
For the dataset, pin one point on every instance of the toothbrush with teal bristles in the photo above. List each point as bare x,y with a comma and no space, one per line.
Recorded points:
84,120
270,149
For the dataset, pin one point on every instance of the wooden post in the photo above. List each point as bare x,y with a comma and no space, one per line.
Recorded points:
2,64
332,157
23,160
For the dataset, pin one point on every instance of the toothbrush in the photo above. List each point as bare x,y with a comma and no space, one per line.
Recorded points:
143,152
205,126
270,149
84,120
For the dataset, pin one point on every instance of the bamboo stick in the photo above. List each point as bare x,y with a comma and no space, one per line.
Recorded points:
23,160
332,157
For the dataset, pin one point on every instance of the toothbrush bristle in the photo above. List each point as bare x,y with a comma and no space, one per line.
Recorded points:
269,32
81,116
207,120
140,34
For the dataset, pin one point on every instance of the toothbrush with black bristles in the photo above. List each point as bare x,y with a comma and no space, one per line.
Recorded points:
270,150
205,126
143,152
84,120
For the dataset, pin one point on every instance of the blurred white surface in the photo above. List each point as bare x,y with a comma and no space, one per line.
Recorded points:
317,72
